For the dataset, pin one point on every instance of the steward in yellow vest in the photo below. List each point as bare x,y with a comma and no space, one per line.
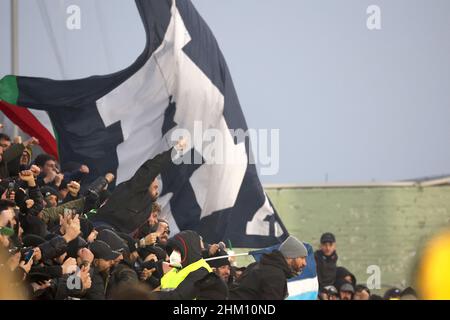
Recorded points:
179,283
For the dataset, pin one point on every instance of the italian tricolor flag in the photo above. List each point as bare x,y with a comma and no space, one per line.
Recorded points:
36,123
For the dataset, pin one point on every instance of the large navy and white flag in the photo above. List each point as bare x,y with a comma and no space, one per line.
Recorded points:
114,123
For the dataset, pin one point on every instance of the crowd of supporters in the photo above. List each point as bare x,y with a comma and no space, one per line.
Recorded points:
63,236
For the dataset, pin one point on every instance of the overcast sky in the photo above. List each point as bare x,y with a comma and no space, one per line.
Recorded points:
351,104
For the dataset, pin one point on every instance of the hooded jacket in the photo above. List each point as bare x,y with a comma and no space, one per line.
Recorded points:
341,273
188,243
326,268
264,280
99,284
13,152
130,204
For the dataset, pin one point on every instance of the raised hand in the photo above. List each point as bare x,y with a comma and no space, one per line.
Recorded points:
74,188
31,142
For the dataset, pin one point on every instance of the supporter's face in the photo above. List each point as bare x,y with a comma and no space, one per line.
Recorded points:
25,158
323,296
344,295
5,144
49,166
37,254
103,265
7,217
328,248
92,236
333,297
153,219
348,279
224,272
63,193
361,295
134,256
1,153
118,259
164,237
52,201
297,265
238,274
154,190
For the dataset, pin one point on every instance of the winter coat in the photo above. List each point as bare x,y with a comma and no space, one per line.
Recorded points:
264,280
130,204
326,268
188,243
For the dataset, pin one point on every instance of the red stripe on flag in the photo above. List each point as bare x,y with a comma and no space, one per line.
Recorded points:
26,121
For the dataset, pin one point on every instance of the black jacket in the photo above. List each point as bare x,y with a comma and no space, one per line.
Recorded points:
264,280
122,276
188,243
99,283
326,268
53,248
130,203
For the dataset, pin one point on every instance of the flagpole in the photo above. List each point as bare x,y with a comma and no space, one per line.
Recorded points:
15,46
228,256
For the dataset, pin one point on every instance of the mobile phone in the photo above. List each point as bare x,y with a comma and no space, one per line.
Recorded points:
11,188
28,255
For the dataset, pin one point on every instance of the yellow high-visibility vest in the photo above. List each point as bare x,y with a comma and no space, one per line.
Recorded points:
174,277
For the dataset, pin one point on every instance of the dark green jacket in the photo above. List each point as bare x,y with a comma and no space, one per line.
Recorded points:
11,154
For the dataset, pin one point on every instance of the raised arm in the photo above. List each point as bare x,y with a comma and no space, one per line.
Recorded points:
153,167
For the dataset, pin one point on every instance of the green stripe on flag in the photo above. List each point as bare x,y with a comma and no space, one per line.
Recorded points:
9,91
55,132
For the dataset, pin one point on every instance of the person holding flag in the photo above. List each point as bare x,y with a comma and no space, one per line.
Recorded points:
267,279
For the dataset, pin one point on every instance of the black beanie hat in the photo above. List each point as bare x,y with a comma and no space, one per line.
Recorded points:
157,251
132,244
32,240
113,240
217,263
75,245
34,225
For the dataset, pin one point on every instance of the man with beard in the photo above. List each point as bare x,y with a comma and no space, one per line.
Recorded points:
104,258
147,234
129,205
163,233
267,279
346,291
222,267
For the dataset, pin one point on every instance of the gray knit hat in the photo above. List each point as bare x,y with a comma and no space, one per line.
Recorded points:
293,248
